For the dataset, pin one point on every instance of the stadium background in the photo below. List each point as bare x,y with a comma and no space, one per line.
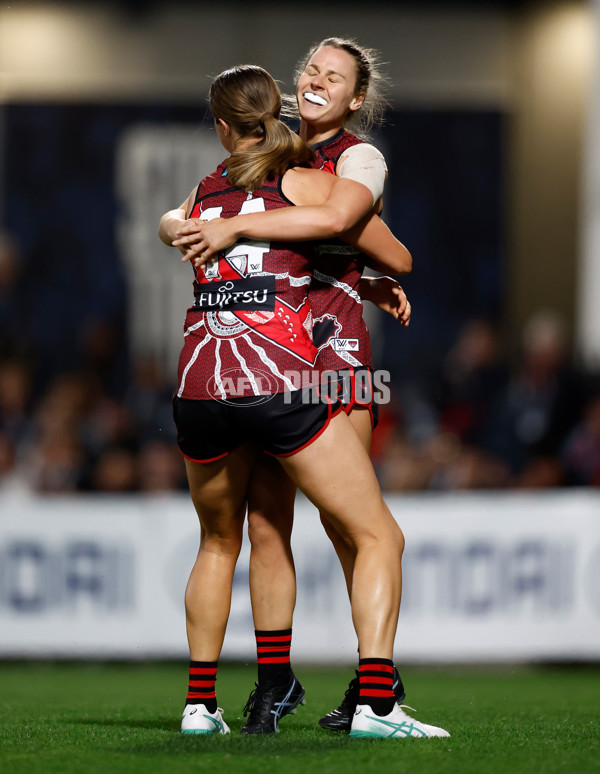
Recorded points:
490,449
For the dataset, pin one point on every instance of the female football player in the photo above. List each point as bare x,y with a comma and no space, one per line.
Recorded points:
337,86
250,318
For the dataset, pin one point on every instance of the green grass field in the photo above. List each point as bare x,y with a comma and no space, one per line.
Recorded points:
125,718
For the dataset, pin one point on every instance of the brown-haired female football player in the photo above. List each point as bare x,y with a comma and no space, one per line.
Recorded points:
315,443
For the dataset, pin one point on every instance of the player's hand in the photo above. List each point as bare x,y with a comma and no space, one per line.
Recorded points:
388,295
189,239
403,308
202,239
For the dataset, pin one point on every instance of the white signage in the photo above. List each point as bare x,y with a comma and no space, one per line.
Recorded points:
487,577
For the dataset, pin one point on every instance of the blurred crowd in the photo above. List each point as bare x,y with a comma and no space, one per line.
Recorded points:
478,419
482,421
77,438
78,418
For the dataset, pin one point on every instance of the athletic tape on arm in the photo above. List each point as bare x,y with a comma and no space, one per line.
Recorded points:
364,164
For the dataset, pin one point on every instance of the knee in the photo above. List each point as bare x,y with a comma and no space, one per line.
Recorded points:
227,542
394,534
392,539
400,541
266,532
260,530
341,542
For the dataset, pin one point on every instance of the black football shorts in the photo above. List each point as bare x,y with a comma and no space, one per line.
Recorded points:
354,390
281,426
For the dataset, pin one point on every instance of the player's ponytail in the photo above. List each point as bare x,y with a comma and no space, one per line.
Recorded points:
248,99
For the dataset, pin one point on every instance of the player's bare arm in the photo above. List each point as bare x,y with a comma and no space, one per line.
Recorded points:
345,204
373,238
313,191
173,220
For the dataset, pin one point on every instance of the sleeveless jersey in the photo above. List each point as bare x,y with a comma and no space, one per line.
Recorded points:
250,322
339,330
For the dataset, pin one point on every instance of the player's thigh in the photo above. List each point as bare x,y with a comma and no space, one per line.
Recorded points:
219,488
336,474
360,419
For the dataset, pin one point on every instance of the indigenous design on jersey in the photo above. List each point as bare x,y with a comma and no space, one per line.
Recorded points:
251,320
340,332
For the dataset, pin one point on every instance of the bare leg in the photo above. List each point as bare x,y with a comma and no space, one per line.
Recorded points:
361,422
218,491
270,519
336,474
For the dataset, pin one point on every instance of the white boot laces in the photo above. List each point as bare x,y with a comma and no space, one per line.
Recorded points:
405,707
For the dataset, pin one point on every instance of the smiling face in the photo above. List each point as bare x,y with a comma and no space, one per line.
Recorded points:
326,93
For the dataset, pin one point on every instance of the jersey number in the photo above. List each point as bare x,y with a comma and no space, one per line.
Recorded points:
245,257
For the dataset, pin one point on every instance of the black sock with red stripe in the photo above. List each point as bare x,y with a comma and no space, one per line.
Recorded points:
201,687
273,656
376,684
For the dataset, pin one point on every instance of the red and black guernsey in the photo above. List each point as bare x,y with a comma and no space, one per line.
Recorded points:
339,330
251,321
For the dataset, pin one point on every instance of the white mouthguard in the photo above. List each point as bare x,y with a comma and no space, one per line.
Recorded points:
314,98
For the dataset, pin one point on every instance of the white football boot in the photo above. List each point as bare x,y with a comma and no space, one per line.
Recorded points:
397,724
196,719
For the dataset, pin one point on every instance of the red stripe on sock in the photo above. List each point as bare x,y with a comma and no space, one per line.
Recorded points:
285,638
373,679
208,671
374,692
274,660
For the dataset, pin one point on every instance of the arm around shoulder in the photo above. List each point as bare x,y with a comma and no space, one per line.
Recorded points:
325,207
